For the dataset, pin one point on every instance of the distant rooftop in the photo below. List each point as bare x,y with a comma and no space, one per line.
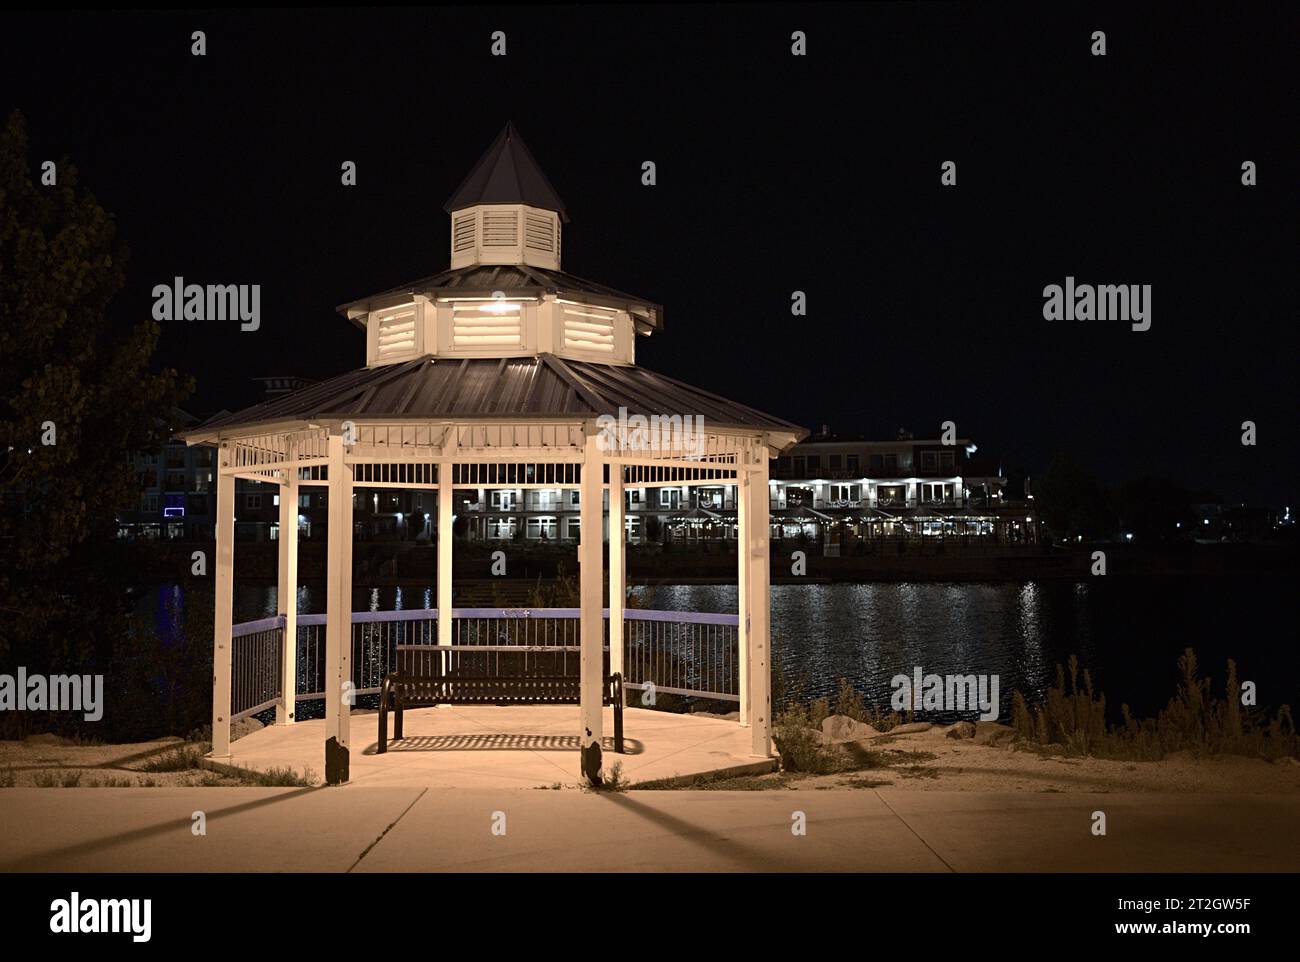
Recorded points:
826,436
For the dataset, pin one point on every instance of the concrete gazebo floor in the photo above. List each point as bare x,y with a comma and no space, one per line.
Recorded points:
492,746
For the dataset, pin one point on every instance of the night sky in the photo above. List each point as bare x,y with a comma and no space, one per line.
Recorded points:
775,173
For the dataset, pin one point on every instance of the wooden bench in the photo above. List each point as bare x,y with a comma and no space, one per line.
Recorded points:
432,676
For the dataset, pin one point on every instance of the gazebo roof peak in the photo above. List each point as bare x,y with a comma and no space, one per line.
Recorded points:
507,173
504,294
506,211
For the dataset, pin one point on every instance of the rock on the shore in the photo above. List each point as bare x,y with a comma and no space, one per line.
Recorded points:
963,729
842,728
47,738
911,728
245,726
993,733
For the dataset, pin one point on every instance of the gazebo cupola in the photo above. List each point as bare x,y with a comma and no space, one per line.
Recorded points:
506,211
504,294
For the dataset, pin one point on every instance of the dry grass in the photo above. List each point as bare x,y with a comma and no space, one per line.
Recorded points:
1072,720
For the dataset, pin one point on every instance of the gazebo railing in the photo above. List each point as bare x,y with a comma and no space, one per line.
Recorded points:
376,636
553,634
682,653
672,652
256,666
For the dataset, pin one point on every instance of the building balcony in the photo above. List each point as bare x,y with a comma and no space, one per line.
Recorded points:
896,502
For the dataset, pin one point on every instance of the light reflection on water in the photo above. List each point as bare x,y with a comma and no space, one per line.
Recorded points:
1129,634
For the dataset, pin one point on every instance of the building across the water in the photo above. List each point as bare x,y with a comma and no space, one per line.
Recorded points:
834,491
847,492
178,495
177,492
831,491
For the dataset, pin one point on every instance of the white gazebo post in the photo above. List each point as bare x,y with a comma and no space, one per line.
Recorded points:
287,589
445,522
591,624
338,593
617,568
223,618
755,617
743,499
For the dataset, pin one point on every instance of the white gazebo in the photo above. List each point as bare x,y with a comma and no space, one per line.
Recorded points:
501,371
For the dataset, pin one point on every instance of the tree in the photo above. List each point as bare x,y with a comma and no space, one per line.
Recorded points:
1156,510
71,375
1072,502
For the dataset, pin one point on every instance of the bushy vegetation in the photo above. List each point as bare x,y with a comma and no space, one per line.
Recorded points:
850,702
796,728
613,781
285,777
797,744
160,677
1072,719
183,759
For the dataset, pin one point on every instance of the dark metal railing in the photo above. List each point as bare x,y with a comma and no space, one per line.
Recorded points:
681,653
256,667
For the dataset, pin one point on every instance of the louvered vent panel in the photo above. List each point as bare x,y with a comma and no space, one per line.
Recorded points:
479,327
539,233
463,232
396,333
500,228
589,329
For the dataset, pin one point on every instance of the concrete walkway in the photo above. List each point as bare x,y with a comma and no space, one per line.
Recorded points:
491,747
359,828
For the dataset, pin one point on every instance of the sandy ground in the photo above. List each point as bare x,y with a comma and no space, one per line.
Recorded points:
965,765
926,760
49,761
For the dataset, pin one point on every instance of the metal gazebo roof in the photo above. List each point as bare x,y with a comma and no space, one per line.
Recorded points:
541,386
507,173
483,280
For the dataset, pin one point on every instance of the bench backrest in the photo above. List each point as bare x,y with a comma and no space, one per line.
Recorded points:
430,661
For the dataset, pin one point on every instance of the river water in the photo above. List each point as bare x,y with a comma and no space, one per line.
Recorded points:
1127,632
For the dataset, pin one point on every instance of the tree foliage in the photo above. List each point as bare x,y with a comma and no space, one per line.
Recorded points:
1072,502
65,363
1156,510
